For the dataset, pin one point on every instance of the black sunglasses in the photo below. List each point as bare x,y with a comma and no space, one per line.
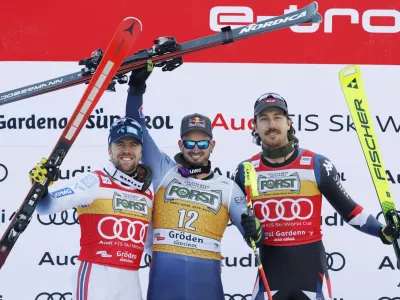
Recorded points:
270,96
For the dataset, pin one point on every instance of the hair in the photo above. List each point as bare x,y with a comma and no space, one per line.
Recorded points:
290,134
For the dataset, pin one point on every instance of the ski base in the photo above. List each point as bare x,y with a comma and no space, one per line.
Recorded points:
122,41
353,90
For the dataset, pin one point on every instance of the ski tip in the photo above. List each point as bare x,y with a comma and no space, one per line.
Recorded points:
349,70
317,19
315,5
134,20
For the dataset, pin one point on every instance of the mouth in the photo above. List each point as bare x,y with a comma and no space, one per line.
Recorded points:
196,156
126,158
274,133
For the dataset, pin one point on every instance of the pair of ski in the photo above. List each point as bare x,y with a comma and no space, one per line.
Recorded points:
103,69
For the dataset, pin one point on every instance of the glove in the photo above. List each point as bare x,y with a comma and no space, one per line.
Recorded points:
40,173
386,233
138,77
252,228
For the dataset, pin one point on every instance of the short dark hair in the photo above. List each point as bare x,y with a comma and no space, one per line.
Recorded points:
291,133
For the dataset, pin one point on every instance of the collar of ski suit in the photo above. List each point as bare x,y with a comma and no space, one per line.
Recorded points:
125,179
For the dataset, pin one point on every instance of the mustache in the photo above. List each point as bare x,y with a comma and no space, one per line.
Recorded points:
126,154
273,130
199,151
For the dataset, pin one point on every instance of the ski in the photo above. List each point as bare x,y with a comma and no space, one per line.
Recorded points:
166,53
353,90
122,41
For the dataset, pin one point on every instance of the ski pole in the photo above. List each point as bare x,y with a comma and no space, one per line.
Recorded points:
250,182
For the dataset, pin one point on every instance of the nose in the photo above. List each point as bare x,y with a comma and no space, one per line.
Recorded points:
271,123
196,149
127,149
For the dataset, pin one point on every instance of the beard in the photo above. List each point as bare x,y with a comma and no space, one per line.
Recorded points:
127,167
274,141
196,162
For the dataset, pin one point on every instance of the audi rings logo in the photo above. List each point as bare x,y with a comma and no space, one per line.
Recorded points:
146,260
122,229
380,217
237,297
66,217
284,209
54,296
335,261
3,172
388,298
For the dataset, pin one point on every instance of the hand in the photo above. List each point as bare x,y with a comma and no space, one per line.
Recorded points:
252,228
138,77
40,173
386,234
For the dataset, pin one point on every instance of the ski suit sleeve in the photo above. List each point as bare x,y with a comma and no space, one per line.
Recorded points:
148,245
237,206
153,157
329,183
238,177
64,195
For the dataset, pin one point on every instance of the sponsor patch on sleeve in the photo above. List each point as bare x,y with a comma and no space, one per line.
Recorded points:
63,192
305,160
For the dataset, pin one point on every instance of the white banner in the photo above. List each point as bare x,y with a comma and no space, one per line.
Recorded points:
44,258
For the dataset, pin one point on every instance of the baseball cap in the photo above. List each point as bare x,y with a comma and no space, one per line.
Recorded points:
270,100
196,122
125,127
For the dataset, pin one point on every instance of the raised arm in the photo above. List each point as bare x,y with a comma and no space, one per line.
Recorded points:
153,157
66,195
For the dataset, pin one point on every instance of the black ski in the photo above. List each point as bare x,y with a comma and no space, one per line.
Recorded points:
166,53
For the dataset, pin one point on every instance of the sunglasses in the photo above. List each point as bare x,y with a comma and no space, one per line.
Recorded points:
128,122
189,144
270,96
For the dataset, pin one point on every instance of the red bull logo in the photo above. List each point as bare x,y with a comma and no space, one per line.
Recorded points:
197,122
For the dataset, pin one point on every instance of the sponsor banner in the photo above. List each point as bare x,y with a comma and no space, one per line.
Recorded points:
50,245
365,31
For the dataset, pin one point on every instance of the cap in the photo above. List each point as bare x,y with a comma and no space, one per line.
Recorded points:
270,100
196,122
125,127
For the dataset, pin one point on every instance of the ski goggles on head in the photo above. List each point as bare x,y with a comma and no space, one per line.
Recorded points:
125,127
203,144
270,100
126,121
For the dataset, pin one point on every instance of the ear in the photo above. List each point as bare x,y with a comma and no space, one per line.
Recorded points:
255,124
109,151
212,145
289,124
141,154
180,144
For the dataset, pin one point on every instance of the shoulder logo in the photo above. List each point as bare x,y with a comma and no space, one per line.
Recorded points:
305,160
256,163
328,167
105,180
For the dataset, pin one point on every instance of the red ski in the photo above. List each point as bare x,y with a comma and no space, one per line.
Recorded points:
123,40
